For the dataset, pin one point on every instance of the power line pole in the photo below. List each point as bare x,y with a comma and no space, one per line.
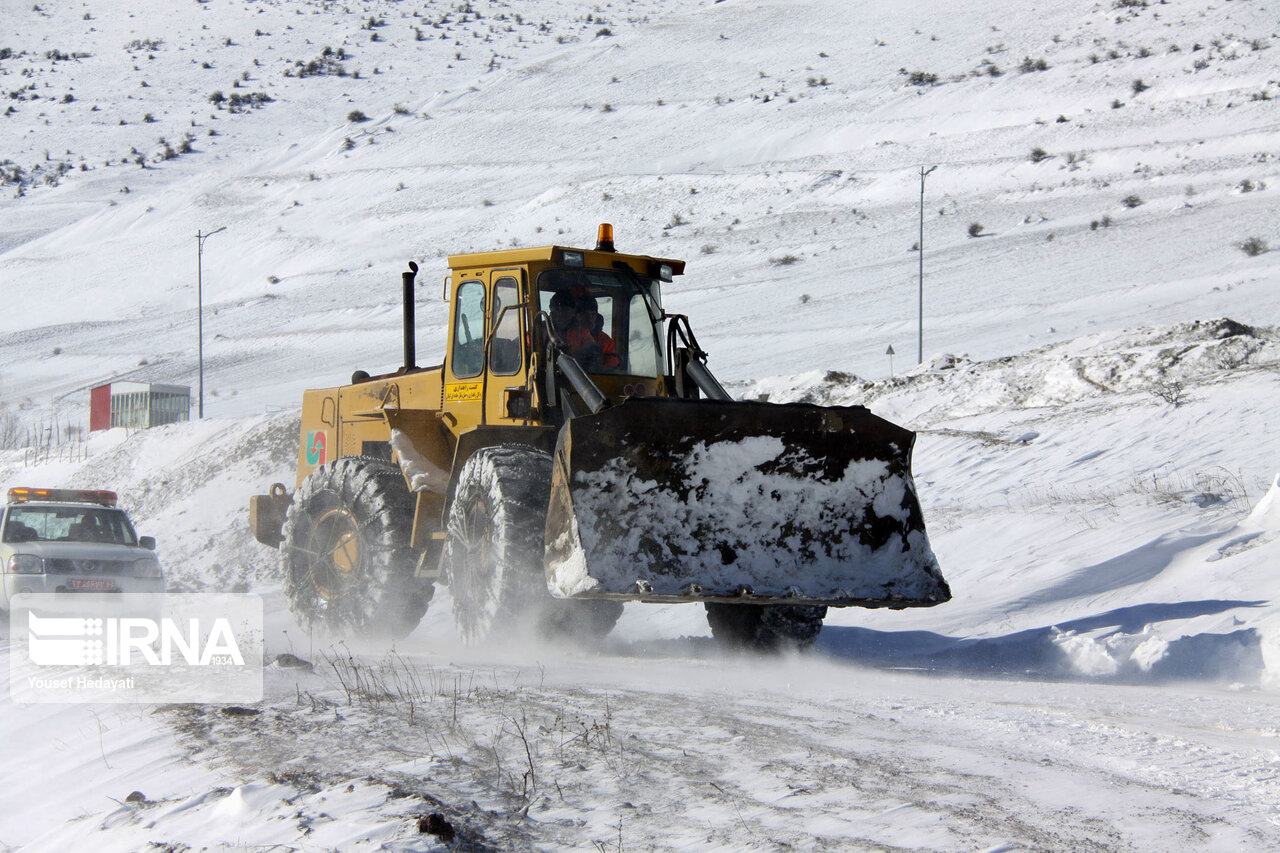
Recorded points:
920,245
200,238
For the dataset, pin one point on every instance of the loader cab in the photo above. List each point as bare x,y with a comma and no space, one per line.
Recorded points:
500,309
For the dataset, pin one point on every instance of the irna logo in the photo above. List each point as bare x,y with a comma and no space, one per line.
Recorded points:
131,641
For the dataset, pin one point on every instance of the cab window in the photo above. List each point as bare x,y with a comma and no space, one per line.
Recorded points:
468,331
642,344
620,322
505,352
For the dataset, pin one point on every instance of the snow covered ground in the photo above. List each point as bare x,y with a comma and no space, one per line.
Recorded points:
1094,408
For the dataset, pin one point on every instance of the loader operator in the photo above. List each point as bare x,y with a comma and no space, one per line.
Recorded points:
576,321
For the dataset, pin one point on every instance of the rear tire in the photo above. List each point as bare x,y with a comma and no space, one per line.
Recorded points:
765,627
348,567
494,552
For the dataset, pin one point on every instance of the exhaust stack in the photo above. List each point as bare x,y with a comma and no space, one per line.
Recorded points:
409,343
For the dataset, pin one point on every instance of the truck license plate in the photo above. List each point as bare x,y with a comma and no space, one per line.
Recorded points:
92,584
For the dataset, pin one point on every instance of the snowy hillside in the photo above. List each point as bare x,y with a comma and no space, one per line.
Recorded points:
1094,408
787,174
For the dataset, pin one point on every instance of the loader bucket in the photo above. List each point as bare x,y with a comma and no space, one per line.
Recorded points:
697,500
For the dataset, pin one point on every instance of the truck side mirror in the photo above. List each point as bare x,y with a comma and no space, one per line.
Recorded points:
148,542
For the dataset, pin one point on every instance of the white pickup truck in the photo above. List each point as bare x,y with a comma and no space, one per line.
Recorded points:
72,540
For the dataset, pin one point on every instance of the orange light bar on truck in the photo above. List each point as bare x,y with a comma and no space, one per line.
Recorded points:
21,494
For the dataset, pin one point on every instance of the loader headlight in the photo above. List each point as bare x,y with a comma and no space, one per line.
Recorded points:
25,564
147,567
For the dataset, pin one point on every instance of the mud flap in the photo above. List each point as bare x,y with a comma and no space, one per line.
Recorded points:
679,500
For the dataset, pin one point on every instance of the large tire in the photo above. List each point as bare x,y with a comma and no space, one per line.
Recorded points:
348,567
765,627
494,552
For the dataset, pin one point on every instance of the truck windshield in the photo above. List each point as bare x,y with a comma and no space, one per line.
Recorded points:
68,524
610,318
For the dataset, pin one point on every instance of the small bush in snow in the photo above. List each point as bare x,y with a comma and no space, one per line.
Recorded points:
919,78
1039,155
356,116
1131,201
1253,246
1028,65
976,228
240,102
1171,391
1139,87
784,261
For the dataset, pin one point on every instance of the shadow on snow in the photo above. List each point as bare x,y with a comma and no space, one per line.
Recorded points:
1047,652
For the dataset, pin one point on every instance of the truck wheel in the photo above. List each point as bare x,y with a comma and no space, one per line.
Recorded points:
765,627
494,557
348,567
495,542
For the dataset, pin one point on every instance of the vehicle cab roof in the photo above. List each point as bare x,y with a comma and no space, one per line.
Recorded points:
554,256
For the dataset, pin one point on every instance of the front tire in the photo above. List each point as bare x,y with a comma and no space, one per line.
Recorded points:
765,627
348,567
495,541
495,548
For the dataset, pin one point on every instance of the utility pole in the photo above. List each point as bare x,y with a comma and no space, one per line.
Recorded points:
920,245
889,352
200,238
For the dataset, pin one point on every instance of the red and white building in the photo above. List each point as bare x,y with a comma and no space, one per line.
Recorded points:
137,405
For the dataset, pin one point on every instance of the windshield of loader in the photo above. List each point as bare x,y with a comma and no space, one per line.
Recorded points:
610,319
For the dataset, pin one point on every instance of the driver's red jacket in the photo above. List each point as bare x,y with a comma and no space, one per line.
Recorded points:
579,338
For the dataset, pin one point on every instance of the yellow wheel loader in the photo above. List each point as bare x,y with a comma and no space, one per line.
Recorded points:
573,452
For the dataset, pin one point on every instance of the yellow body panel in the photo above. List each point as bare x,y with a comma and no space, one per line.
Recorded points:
351,421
